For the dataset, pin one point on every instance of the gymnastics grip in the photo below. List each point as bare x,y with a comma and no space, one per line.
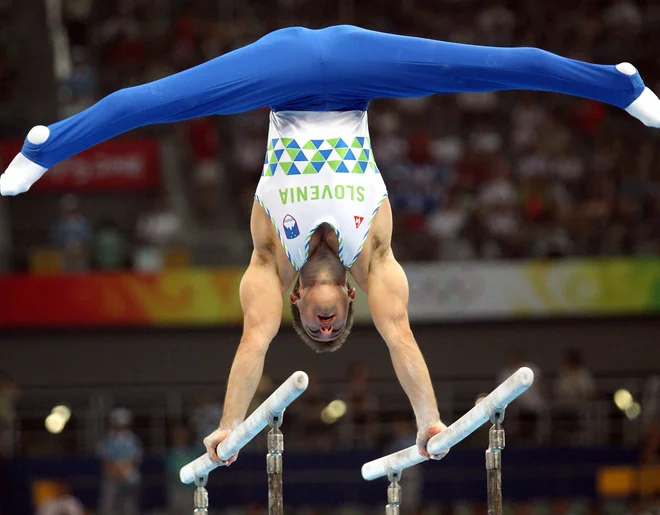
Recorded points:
272,407
496,401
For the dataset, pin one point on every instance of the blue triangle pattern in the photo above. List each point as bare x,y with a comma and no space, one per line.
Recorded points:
363,165
274,141
367,152
361,141
293,144
293,170
349,155
272,168
300,157
278,154
317,142
342,168
341,144
325,153
317,165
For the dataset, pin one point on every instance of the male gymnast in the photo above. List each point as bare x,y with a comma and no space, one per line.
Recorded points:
321,207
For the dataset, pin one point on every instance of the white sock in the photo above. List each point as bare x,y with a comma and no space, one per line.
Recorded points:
22,173
647,106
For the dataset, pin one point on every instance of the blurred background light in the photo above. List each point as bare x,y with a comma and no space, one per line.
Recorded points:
623,399
333,411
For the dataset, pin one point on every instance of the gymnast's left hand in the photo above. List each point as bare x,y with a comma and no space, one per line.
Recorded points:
211,443
423,437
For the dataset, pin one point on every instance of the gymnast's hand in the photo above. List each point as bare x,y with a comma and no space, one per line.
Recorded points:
423,437
213,440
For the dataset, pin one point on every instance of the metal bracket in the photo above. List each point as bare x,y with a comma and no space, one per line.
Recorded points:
497,416
201,497
275,419
393,493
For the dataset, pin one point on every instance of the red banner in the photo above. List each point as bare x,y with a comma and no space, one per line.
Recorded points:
114,165
173,298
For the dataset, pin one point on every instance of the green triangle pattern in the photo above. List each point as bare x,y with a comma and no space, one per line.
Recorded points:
305,165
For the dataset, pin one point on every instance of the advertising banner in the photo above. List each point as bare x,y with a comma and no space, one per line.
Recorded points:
119,164
438,292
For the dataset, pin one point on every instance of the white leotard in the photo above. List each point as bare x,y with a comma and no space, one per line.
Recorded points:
319,168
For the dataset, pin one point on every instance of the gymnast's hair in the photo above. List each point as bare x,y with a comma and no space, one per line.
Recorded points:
316,345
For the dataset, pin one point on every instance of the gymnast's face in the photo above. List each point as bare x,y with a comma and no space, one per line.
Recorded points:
323,309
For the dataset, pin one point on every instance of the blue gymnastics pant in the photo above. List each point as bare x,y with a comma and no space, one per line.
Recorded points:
333,69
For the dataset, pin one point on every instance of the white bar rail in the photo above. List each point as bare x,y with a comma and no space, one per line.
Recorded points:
497,400
273,406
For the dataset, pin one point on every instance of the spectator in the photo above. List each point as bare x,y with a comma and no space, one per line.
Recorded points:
573,388
317,434
121,453
651,448
208,173
109,247
529,407
157,230
206,416
72,235
575,383
448,224
361,427
61,503
8,397
160,227
79,91
181,453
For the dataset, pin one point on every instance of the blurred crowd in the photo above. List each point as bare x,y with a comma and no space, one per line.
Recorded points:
470,176
348,416
81,247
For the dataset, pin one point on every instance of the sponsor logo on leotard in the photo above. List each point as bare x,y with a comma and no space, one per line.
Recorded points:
358,221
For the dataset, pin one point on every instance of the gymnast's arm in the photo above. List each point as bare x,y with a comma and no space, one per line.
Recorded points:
261,298
387,288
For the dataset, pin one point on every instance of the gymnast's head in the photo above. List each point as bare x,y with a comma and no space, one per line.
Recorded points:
322,302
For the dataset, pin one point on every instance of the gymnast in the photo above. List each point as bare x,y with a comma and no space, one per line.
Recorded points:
321,207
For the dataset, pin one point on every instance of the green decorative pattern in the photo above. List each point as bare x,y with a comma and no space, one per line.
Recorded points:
291,157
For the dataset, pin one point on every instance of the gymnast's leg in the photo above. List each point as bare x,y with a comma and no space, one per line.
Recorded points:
270,71
387,65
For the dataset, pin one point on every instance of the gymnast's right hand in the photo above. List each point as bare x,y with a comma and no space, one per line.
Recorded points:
211,443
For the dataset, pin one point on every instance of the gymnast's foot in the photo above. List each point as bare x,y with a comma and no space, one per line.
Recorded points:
646,107
22,173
